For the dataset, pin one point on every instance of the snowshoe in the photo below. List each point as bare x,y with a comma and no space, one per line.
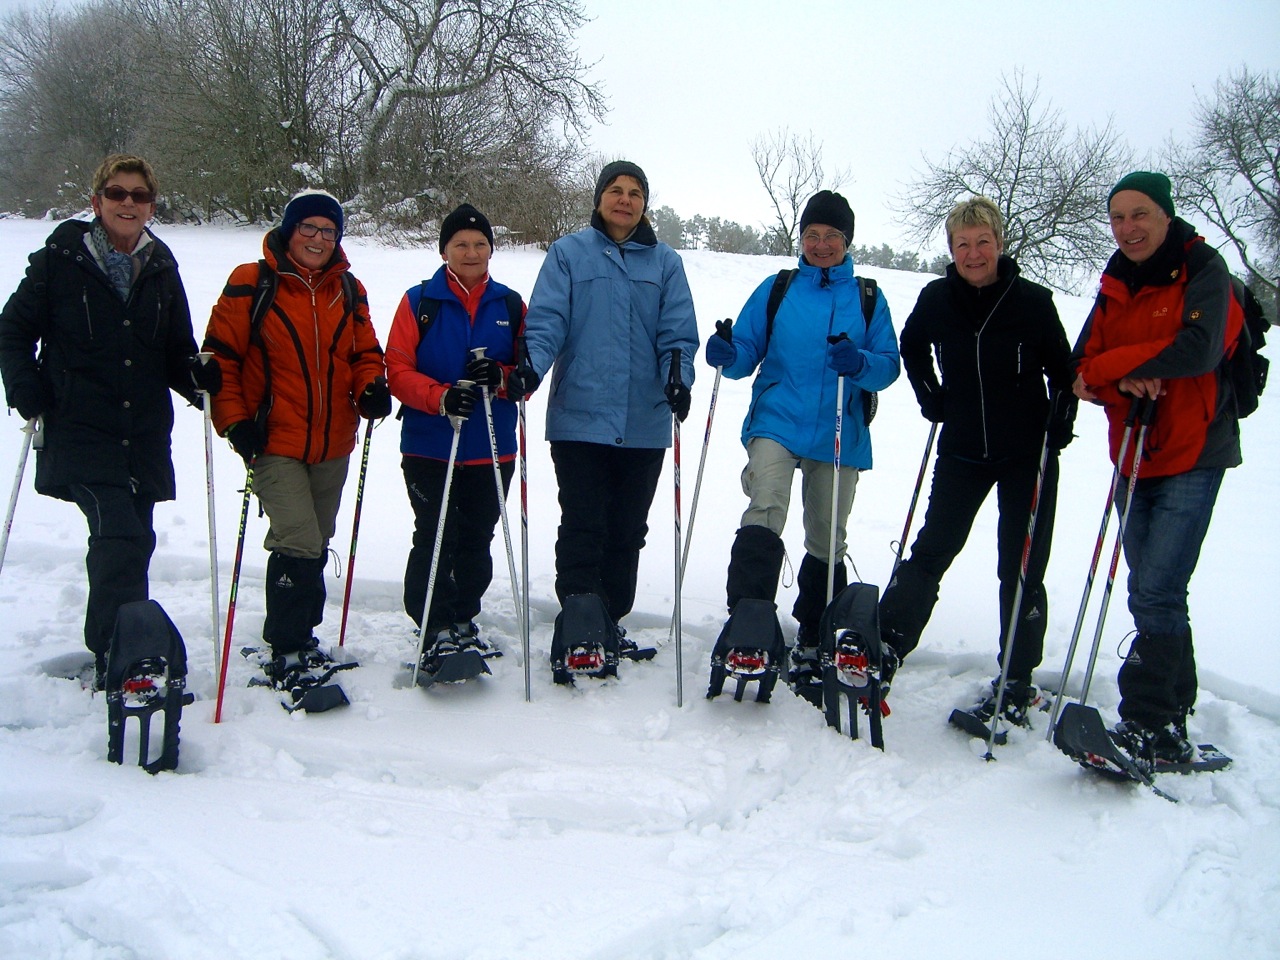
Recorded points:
852,660
456,655
302,677
750,648
628,649
805,675
1082,736
1019,701
146,673
585,640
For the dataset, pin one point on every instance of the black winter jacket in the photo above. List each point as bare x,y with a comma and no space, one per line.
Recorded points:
995,346
105,367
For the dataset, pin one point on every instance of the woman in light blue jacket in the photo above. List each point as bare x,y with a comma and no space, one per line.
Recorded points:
610,305
791,421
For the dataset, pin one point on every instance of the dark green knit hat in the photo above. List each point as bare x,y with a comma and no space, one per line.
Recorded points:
1154,185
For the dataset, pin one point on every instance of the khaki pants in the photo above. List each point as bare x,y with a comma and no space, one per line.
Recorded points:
301,501
767,478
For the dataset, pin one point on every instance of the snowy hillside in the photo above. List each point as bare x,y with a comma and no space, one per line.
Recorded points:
603,822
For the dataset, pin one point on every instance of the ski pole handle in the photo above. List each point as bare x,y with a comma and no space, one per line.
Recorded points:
673,373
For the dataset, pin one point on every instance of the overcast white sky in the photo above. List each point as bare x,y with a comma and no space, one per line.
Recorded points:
692,82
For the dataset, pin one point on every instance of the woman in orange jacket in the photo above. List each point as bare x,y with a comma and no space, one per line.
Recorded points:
298,371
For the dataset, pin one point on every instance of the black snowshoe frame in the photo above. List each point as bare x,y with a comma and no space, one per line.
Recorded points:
750,648
146,675
850,655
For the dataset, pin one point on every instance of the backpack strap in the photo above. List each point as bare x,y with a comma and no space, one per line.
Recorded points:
867,291
264,295
776,294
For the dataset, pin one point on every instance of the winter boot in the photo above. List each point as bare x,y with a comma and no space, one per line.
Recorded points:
1020,699
1151,747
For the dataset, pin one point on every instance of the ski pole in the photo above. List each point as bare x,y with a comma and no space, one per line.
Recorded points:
1093,569
835,481
1015,612
235,583
1146,413
522,357
215,603
673,378
478,353
30,431
355,532
456,422
915,497
697,485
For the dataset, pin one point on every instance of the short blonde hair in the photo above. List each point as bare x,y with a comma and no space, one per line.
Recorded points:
975,212
124,163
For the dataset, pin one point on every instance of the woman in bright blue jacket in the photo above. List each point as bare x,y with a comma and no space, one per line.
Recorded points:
610,305
791,421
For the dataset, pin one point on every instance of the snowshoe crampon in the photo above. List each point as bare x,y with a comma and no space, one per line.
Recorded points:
851,654
750,649
146,675
585,640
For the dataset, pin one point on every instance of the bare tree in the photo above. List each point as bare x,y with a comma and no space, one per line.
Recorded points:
791,170
518,52
1230,173
1050,185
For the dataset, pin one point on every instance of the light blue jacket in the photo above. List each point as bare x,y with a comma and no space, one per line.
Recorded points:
608,317
793,399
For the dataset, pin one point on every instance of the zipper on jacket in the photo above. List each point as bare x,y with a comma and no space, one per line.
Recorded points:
977,363
88,317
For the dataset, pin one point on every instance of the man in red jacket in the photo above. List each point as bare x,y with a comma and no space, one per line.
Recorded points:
1164,321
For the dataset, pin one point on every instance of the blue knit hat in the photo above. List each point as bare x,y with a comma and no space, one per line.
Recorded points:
311,203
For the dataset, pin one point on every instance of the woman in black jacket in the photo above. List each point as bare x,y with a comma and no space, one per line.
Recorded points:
96,335
996,338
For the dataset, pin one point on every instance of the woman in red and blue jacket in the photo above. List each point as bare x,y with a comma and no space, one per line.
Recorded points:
429,353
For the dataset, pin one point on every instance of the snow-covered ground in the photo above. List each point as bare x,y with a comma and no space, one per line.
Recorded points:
604,822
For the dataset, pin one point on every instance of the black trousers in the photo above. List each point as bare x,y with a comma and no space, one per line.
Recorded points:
959,488
466,565
605,495
121,542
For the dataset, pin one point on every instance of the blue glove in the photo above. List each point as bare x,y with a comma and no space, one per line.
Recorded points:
720,349
845,358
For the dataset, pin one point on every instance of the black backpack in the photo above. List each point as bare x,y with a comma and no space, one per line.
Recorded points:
1246,367
866,292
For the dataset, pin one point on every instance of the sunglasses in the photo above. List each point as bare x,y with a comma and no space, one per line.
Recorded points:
310,230
118,194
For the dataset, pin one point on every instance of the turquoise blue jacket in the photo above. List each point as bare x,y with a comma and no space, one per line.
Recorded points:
608,316
793,399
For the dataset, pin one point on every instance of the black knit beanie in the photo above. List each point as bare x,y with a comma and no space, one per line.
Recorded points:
311,203
464,217
1154,185
831,209
620,168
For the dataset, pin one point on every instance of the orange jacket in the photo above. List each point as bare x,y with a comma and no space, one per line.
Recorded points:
1178,330
314,356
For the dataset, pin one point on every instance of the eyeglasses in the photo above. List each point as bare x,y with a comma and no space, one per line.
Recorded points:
118,194
812,239
310,230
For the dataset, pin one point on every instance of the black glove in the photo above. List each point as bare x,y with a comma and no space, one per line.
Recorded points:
247,439
30,403
1062,416
521,382
678,398
932,406
485,372
207,375
375,401
458,402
